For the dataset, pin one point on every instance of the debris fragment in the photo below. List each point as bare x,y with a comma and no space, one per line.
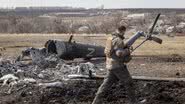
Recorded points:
28,80
52,84
84,70
143,101
9,78
5,61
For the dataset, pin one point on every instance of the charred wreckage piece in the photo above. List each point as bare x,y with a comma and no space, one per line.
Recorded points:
66,50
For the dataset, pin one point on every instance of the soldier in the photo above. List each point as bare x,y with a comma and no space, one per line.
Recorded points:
117,54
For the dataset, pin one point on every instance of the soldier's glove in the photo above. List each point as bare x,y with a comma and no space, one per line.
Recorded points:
122,52
123,55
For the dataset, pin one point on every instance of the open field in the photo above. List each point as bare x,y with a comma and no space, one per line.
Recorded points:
14,43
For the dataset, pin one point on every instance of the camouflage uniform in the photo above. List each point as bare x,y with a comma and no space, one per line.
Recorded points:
117,71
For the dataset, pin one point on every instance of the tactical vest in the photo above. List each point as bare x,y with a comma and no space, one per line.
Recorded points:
113,43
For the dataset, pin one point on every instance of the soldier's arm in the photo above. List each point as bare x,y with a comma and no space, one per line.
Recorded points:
108,48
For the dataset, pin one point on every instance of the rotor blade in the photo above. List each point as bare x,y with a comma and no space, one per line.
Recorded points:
156,19
157,40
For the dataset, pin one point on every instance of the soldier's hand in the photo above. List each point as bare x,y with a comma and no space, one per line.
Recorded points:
122,52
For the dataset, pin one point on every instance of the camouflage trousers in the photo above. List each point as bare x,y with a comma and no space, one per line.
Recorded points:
114,75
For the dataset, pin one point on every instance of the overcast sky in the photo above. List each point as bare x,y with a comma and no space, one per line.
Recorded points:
97,3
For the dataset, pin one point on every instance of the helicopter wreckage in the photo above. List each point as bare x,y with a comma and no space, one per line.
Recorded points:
65,50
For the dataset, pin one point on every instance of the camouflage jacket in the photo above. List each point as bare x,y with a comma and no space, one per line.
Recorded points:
113,42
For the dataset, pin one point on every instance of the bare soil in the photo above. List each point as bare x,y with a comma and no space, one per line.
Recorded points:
83,91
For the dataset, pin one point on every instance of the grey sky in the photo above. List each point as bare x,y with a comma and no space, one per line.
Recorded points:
96,3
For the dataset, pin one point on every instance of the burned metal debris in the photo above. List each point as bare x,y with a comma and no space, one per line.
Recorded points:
66,50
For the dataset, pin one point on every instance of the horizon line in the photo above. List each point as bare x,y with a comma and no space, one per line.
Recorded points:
83,7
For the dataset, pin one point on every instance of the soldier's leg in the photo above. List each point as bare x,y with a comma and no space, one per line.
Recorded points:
104,88
125,78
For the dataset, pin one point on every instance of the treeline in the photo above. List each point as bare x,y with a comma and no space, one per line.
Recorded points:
92,25
27,24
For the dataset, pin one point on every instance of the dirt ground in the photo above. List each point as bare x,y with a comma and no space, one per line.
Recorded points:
83,91
148,92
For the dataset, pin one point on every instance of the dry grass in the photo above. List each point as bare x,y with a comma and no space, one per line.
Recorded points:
14,43
169,46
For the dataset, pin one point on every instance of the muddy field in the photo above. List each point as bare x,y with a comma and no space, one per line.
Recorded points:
51,86
83,92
